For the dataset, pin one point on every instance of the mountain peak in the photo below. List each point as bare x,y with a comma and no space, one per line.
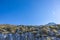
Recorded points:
51,23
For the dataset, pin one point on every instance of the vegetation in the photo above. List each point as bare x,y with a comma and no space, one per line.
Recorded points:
44,30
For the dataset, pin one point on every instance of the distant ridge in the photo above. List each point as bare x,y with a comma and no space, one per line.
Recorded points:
51,23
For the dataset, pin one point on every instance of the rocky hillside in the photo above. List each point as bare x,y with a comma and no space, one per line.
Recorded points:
43,30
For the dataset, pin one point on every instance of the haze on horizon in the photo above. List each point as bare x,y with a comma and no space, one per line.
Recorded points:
29,12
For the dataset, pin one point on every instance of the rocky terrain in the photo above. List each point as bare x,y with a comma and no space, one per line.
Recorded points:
29,32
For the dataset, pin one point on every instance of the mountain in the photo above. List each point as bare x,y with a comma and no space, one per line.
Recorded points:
51,23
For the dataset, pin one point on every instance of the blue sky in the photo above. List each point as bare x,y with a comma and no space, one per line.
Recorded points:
29,12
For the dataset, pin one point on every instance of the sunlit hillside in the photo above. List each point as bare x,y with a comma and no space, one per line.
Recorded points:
49,31
44,29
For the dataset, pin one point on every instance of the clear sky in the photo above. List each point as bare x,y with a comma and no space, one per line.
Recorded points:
29,12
